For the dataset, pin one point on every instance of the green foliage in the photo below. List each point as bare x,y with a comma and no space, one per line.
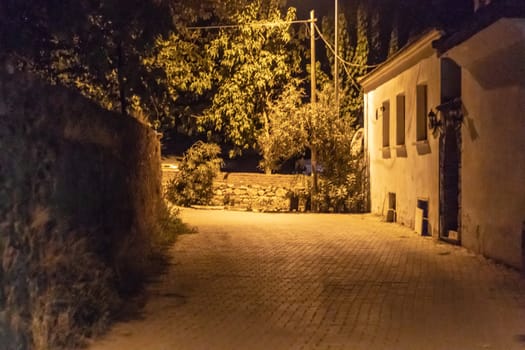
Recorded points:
342,195
183,73
226,76
95,48
294,127
336,195
139,58
76,238
353,49
376,41
393,46
170,226
252,65
284,132
73,296
333,136
340,187
193,184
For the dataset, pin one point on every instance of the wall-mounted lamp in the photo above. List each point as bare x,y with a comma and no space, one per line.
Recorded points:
433,122
379,112
448,114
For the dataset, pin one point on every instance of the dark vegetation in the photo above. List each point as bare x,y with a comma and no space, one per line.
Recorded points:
82,219
193,184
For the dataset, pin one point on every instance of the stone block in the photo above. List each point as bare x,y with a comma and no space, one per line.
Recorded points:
252,192
281,192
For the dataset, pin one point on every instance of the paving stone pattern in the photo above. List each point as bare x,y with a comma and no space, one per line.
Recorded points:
304,281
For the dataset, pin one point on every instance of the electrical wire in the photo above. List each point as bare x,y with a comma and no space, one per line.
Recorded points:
352,79
309,33
342,60
316,37
253,24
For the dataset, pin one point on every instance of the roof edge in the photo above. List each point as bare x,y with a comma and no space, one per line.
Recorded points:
480,20
401,60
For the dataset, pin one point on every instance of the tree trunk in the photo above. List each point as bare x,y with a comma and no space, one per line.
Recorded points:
268,161
313,199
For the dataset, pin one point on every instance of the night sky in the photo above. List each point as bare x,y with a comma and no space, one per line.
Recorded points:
414,13
321,7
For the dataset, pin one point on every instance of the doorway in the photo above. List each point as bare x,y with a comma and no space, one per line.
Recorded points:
450,184
450,152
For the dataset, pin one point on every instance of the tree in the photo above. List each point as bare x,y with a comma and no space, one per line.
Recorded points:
339,186
183,74
353,55
193,184
393,46
359,67
94,47
285,131
252,64
228,75
295,127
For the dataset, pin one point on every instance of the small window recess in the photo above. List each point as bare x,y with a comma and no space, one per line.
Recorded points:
421,217
401,151
421,112
391,215
422,147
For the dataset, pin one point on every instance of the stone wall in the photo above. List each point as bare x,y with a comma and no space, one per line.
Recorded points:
260,192
79,196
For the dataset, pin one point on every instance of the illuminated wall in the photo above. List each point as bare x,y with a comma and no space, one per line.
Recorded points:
405,166
492,147
493,133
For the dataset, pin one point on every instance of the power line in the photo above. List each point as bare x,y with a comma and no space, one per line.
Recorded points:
349,75
336,55
270,24
309,33
252,24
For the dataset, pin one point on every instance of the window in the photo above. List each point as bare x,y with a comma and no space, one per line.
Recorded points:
400,120
386,123
421,112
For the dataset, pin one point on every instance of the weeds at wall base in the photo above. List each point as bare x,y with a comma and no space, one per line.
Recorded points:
79,215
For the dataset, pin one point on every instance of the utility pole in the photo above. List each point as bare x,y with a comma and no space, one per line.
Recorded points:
312,56
336,60
313,150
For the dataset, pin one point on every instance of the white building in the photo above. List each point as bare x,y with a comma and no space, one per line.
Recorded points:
445,134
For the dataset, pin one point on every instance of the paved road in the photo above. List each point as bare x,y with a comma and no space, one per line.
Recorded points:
305,281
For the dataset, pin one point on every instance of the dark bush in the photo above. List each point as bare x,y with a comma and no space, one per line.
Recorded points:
193,184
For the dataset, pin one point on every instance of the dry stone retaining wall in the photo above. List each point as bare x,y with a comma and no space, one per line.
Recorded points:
260,192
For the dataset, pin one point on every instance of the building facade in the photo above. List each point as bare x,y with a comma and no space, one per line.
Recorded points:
445,135
402,155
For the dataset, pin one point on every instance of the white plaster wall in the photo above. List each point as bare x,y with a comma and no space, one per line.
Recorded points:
414,176
493,170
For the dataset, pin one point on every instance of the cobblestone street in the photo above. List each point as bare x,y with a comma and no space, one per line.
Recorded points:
303,281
